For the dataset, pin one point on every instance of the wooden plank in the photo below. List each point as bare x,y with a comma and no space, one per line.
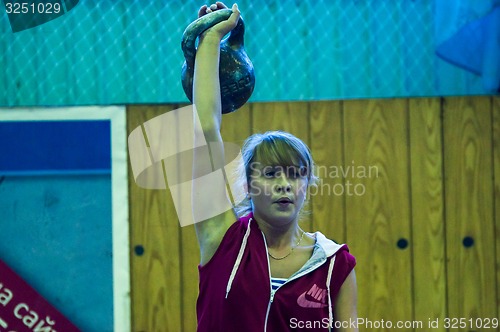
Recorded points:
427,202
286,116
189,257
378,205
236,125
189,260
236,128
327,198
154,240
471,275
496,167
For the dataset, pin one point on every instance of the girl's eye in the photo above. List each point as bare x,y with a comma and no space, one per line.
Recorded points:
269,174
293,173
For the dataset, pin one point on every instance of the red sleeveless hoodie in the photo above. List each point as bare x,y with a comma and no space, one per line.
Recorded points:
235,286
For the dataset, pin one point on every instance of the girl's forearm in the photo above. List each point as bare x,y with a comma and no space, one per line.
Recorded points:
206,86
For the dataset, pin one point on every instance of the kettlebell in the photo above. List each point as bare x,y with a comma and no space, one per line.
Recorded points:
236,73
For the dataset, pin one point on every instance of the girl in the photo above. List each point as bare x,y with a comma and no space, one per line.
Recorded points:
262,272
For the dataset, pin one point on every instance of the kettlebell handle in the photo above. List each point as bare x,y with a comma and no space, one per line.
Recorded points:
203,23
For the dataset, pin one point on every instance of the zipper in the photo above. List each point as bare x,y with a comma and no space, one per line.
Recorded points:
271,298
269,309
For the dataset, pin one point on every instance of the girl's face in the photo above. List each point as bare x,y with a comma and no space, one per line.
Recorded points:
277,192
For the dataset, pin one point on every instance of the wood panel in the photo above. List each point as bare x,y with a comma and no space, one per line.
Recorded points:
236,126
427,209
327,201
433,187
188,260
471,277
376,135
290,117
154,240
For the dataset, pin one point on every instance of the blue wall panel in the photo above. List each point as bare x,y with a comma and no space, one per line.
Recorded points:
56,229
42,147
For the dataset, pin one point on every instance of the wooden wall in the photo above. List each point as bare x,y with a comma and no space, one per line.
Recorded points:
419,211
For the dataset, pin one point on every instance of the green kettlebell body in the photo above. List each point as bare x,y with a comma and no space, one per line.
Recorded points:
236,73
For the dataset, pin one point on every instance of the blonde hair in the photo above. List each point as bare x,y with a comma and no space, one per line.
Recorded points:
276,148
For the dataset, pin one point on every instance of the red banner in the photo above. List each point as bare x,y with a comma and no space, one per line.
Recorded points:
23,309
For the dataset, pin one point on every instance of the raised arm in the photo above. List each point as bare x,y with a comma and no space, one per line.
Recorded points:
207,101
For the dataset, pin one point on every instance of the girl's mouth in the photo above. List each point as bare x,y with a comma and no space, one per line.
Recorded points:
284,201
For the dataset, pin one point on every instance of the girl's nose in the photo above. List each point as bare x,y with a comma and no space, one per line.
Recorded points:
282,184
